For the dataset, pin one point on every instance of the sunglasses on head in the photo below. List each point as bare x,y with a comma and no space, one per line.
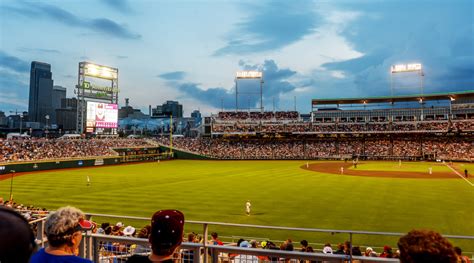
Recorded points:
83,225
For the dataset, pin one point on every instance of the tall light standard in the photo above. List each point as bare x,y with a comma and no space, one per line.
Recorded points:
406,68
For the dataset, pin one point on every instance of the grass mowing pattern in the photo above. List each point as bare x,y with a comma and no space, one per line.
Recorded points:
281,193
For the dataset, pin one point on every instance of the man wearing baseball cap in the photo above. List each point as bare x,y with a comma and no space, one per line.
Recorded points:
165,237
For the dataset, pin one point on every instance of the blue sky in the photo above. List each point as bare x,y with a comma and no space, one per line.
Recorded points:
190,50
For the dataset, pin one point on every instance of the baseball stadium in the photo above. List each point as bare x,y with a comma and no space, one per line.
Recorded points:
355,172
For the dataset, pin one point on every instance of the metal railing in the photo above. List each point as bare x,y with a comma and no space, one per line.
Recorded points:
92,245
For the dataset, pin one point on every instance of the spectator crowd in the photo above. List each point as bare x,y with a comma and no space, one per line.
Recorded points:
165,235
29,149
411,147
256,115
241,125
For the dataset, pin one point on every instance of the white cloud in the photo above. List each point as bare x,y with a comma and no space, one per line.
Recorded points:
338,74
325,45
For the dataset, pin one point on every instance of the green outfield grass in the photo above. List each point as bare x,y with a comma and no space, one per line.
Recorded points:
281,193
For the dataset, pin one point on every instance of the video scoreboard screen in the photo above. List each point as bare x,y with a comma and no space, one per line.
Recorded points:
101,115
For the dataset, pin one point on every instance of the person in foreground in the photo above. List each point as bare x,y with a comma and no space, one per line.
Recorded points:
424,246
17,241
165,237
63,229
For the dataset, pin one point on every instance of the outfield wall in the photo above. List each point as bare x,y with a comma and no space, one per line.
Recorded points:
32,166
57,164
180,154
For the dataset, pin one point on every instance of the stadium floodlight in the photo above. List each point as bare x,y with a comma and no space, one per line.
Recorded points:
249,74
98,71
406,68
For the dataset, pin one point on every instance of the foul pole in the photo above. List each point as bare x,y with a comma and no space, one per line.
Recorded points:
171,135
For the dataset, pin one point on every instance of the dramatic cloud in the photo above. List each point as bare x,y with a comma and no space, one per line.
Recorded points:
100,25
110,27
13,63
217,97
388,33
176,75
119,5
13,92
13,89
276,84
271,26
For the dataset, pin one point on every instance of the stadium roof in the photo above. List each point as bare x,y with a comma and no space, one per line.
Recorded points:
388,99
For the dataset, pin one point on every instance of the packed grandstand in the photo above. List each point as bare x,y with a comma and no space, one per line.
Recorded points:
431,127
435,133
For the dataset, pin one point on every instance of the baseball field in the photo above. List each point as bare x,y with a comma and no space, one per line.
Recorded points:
282,193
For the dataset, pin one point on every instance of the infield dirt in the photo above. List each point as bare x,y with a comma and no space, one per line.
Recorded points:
335,168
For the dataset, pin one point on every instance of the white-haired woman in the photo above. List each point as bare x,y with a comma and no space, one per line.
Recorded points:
64,231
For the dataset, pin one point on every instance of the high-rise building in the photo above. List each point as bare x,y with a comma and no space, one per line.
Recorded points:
172,108
41,91
66,115
3,119
59,93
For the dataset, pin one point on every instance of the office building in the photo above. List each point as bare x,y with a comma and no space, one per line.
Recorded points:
59,93
40,108
170,108
66,115
3,120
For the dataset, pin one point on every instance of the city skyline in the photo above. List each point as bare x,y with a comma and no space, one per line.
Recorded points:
190,51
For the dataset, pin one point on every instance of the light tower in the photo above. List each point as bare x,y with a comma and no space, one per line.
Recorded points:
407,68
248,75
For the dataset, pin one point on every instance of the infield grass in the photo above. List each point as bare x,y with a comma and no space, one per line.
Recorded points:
281,193
402,167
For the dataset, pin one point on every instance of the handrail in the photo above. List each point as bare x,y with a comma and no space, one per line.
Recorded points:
295,254
332,231
89,248
215,250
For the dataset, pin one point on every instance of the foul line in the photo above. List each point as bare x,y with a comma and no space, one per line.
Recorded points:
460,175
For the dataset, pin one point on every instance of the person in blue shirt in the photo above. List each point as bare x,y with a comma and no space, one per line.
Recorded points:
64,231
